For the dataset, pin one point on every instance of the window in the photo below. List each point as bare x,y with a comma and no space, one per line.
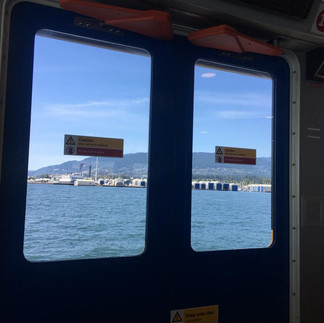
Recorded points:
87,206
231,202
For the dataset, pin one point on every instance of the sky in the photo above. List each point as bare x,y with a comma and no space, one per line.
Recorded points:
232,110
91,91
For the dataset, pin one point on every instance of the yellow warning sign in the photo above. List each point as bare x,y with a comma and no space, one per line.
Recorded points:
219,151
239,152
93,146
177,318
70,141
205,314
233,155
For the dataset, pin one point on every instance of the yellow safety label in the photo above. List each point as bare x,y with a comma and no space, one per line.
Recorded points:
205,314
233,155
239,152
98,142
93,146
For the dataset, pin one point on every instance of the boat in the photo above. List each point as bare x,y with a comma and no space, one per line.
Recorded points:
84,182
69,179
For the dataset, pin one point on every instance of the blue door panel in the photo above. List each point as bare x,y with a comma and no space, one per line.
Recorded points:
248,285
120,289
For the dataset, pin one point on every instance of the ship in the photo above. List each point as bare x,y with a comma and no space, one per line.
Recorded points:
84,182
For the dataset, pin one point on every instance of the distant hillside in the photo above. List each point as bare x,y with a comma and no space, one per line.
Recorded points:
135,165
130,165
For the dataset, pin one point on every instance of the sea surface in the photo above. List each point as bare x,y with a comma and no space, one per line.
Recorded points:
73,222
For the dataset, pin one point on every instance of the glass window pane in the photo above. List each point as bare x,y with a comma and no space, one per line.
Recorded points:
231,197
87,206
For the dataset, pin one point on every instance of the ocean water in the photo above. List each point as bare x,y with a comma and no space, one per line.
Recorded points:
73,222
224,220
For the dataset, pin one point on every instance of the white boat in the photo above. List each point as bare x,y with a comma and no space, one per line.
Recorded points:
69,179
84,182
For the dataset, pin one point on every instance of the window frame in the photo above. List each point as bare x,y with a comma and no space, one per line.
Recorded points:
116,47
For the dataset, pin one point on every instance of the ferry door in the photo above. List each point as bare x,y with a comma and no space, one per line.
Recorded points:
250,283
169,277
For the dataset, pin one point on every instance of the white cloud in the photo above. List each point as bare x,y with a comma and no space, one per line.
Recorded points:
237,99
238,114
203,132
208,75
96,109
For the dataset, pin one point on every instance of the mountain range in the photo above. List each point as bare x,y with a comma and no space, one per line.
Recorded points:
135,165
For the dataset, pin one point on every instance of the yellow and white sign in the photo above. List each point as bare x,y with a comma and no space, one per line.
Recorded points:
206,314
93,146
232,155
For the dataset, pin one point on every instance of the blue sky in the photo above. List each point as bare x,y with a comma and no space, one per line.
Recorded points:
232,109
90,92
105,93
